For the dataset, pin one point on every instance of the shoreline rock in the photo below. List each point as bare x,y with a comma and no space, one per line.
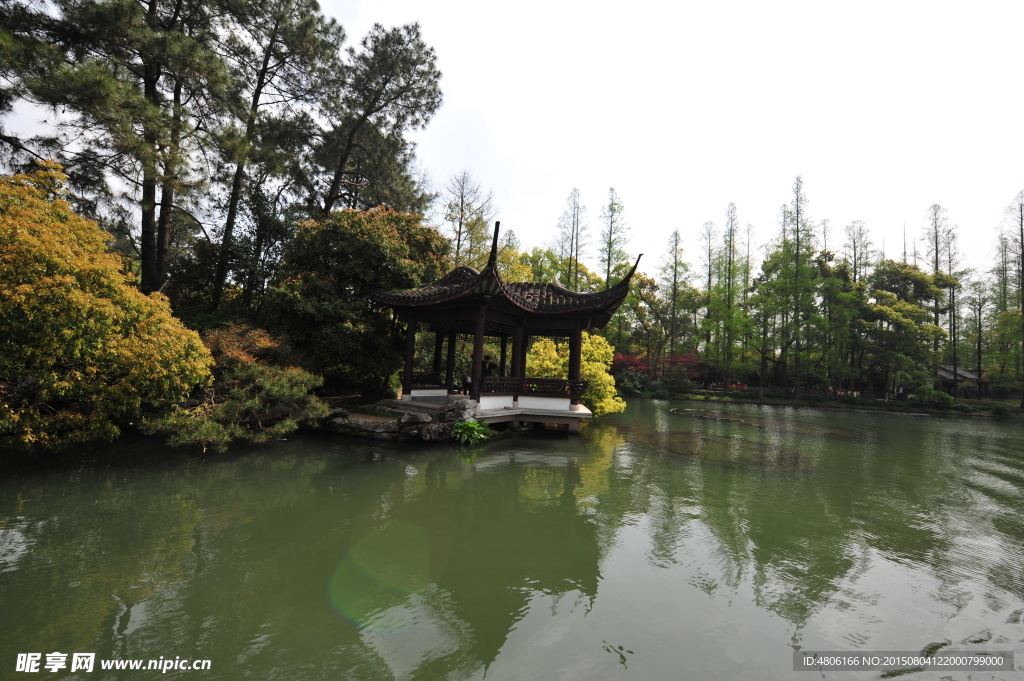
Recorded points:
400,424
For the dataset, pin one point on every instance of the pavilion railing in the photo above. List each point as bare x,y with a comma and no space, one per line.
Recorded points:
539,387
424,379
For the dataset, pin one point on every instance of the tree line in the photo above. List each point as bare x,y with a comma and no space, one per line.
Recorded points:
808,311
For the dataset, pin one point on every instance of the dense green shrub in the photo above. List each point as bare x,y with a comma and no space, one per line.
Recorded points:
676,380
630,382
319,300
544,360
933,398
250,399
1000,392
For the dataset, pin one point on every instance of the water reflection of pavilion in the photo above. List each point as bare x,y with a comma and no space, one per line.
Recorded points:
515,534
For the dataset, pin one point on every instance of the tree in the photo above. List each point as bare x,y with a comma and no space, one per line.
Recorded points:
648,316
936,236
857,251
546,360
614,236
708,235
1015,213
977,302
513,265
319,298
898,334
468,213
82,352
392,84
572,237
136,83
281,53
952,284
731,225
802,248
255,395
675,275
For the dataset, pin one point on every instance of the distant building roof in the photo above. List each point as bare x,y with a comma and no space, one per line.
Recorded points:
945,372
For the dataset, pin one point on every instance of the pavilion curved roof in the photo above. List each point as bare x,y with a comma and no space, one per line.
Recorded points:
464,286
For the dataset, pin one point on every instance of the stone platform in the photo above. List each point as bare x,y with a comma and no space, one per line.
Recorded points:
499,409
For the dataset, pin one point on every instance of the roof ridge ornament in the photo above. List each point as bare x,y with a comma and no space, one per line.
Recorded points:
494,245
632,271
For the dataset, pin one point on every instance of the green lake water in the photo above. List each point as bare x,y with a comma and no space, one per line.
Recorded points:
704,544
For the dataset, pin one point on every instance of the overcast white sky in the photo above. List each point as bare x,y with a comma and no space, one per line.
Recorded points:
883,107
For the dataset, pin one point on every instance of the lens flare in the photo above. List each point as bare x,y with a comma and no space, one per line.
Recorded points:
381,570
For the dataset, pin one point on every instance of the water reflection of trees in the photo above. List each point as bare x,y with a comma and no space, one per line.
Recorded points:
231,560
351,560
801,533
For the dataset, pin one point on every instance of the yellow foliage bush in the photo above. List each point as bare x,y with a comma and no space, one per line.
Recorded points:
546,360
82,352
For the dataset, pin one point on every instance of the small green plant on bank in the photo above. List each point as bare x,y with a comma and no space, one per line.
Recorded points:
933,398
470,432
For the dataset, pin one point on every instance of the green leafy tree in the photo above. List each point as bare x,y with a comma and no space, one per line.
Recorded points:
546,360
675,274
279,53
649,321
801,288
1015,215
255,396
900,339
391,86
319,298
82,352
573,238
513,264
468,213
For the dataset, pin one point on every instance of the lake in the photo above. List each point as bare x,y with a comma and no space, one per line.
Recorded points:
679,540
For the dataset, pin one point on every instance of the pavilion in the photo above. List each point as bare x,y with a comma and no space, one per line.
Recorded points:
482,305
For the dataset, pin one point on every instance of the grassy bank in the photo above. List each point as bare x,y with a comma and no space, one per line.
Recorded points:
988,408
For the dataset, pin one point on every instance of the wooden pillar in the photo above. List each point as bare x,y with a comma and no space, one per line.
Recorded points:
438,344
517,349
575,351
523,347
504,355
478,354
449,375
410,349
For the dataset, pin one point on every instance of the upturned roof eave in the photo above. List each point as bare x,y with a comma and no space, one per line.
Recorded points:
488,282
